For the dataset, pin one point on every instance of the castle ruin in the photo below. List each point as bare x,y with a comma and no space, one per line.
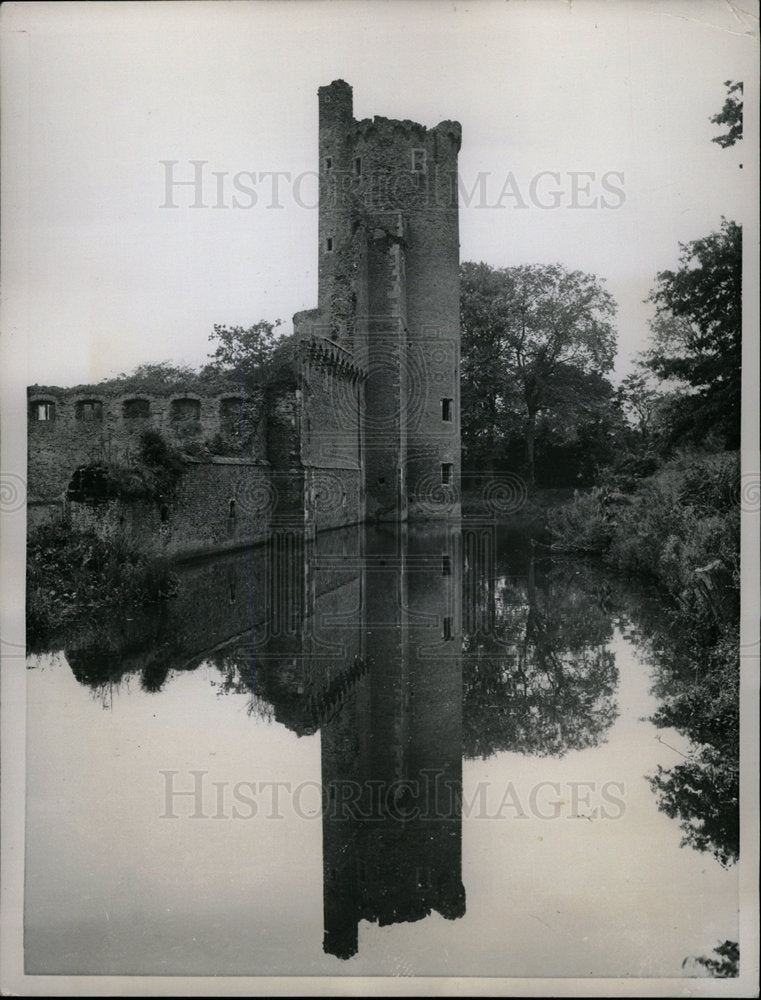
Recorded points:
368,426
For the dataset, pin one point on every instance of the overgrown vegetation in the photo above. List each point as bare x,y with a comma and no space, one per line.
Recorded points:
71,576
151,475
74,574
668,525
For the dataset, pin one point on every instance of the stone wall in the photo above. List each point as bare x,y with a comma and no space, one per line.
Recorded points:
369,427
68,428
219,503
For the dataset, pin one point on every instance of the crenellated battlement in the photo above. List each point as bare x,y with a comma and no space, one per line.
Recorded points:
382,129
326,354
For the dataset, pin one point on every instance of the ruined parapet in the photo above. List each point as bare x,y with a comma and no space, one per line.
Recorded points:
67,428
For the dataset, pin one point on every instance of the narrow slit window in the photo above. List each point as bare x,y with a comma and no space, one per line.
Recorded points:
329,244
448,630
447,470
423,878
446,565
328,162
447,409
357,165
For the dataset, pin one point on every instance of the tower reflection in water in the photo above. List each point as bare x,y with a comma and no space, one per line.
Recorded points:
392,745
357,634
374,660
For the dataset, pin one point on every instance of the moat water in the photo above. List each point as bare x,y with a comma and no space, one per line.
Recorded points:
384,752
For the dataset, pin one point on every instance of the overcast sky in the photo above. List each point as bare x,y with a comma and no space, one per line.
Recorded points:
99,275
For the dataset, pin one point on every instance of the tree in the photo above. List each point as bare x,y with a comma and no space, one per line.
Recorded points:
703,793
639,401
730,115
697,334
531,335
157,377
727,963
243,350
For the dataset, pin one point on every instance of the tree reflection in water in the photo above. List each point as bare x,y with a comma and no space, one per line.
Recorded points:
537,676
696,679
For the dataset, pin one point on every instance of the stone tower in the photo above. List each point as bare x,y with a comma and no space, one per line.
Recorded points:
389,297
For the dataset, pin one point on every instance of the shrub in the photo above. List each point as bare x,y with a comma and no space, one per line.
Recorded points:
678,522
583,525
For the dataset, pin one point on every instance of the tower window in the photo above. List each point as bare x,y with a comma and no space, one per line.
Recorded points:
448,630
447,469
357,165
328,162
447,407
43,411
446,565
418,160
329,244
